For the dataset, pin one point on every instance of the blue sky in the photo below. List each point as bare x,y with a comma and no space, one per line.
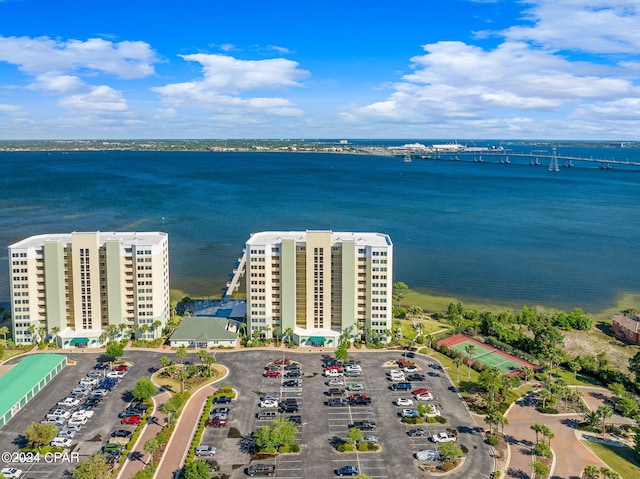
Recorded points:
466,69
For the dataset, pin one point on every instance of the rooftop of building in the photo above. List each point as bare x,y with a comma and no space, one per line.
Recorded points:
203,328
141,238
632,324
24,376
360,238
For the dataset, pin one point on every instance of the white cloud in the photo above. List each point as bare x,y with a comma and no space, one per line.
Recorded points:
538,76
100,99
225,77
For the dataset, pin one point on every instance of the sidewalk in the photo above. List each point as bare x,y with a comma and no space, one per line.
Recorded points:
136,460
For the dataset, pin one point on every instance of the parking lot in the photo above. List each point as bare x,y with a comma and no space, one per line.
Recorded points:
320,424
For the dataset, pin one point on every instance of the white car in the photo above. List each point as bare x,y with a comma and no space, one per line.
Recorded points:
115,374
410,369
424,397
404,402
269,403
57,421
59,414
72,427
369,439
82,412
427,455
410,413
61,442
355,367
88,381
100,392
443,437
67,433
205,451
433,412
11,472
78,421
335,382
69,401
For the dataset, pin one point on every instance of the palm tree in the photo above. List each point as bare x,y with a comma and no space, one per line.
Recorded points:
151,446
104,336
156,325
592,418
545,395
458,362
605,412
54,331
277,331
591,472
470,349
4,331
202,354
31,330
537,428
181,353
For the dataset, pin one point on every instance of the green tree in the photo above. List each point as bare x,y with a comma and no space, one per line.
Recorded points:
355,435
399,291
183,375
39,434
604,412
181,353
165,362
449,450
277,332
591,472
152,446
114,350
280,431
634,366
143,389
342,354
470,349
203,353
197,469
592,418
540,469
289,335
537,428
94,467
457,361
575,367
545,395
4,331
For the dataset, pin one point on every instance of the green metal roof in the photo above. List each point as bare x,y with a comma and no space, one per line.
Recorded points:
317,339
80,341
21,378
202,328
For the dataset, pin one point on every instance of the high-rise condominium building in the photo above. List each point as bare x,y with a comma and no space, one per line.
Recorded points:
323,287
78,286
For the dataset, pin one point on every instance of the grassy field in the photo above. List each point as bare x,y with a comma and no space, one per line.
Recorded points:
623,459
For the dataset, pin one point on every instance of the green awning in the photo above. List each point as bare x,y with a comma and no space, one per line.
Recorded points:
317,339
79,340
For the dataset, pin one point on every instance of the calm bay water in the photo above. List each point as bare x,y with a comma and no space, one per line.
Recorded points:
486,230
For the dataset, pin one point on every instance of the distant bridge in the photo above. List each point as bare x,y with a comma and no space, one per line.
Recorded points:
534,158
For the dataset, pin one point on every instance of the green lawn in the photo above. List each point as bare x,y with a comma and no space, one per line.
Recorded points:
428,326
623,459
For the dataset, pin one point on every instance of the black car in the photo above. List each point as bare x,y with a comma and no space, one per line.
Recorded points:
292,383
292,374
409,355
416,377
222,400
101,366
289,408
129,412
363,425
297,420
337,402
92,402
292,401
121,433
415,432
292,367
113,457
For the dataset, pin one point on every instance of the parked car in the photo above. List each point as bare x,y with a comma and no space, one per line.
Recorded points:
410,413
220,411
292,367
416,377
355,387
216,422
337,402
93,401
69,401
443,437
369,439
269,403
292,374
353,374
409,355
333,373
363,425
130,420
205,451
61,442
427,455
271,374
129,412
336,392
297,420
261,470
56,421
112,447
81,391
416,432
79,420
94,374
11,472
83,412
289,408
404,402
122,433
68,433
87,381
115,374
222,400
354,367
420,391
410,369
424,397
100,366
72,427
59,413
100,392
346,471
292,383
335,382
269,396
121,367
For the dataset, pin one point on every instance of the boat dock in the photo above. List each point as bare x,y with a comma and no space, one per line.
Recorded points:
233,285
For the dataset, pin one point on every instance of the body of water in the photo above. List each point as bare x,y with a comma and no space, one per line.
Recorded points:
490,231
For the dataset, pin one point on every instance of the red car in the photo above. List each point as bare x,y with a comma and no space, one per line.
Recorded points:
121,367
417,392
271,374
130,420
353,397
216,422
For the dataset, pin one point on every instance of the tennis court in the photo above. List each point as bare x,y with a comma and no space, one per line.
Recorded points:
487,355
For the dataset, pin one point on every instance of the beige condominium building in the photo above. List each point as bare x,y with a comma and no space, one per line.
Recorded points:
321,287
84,289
